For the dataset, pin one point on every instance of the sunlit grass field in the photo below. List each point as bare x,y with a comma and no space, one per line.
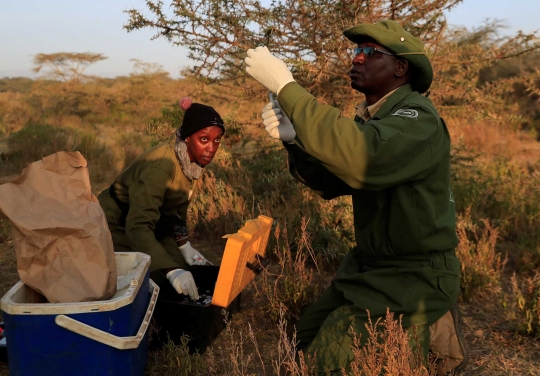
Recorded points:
496,182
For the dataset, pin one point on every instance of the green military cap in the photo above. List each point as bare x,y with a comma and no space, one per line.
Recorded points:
391,35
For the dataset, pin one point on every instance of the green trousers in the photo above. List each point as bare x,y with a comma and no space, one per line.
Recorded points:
420,289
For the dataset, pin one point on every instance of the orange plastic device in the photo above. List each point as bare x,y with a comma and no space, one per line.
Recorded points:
243,257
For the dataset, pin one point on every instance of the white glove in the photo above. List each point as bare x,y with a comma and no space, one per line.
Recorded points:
267,69
183,283
191,255
277,125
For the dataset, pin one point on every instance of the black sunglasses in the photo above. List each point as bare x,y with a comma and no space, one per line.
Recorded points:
369,51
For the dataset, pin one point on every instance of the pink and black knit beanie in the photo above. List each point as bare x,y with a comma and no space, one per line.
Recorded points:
196,117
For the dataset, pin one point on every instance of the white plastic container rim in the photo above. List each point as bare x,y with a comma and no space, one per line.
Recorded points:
131,268
120,343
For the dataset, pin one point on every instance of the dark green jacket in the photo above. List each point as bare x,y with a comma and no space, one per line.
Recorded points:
396,166
157,192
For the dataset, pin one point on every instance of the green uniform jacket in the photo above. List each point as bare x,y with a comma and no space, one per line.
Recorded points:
396,166
158,194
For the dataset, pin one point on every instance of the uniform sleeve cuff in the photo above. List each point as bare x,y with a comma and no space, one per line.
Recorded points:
289,95
282,86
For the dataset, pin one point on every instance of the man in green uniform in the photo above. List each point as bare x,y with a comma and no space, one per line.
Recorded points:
393,158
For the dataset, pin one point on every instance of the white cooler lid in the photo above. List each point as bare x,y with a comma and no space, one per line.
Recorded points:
131,268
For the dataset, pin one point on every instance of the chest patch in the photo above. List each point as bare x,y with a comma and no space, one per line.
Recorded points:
413,114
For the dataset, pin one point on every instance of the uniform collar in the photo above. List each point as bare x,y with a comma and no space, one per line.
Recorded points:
367,112
396,97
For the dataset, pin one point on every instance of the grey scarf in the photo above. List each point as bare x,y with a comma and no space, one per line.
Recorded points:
191,169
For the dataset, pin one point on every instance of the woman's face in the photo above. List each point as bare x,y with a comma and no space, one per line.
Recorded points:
203,145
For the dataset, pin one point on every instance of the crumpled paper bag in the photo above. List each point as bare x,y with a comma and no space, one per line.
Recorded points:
60,233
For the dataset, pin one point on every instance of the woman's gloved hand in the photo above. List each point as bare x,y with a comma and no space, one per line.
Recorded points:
183,283
191,255
277,125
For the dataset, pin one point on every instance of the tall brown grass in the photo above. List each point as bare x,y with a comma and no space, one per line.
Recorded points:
522,304
389,350
504,192
296,281
481,264
111,121
489,137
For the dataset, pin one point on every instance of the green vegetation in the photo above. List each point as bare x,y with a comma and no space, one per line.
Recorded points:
486,87
36,141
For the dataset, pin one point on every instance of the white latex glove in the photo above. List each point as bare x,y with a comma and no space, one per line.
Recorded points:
267,69
183,283
277,125
191,255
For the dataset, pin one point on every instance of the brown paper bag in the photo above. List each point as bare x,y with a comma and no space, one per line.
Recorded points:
60,234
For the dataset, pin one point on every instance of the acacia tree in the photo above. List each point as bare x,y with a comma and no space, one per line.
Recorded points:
66,66
307,34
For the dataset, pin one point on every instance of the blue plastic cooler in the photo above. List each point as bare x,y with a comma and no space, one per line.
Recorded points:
92,338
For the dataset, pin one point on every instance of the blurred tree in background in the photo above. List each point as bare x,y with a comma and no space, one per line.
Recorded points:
66,66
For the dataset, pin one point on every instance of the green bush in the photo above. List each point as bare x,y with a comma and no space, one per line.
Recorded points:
36,141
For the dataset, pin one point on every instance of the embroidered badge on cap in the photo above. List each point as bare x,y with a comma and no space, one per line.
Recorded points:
413,114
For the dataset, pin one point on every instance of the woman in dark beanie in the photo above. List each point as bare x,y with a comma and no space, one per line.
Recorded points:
146,206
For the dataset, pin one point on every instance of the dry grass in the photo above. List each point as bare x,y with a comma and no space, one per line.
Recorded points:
290,286
522,304
8,270
495,349
481,265
249,177
489,137
389,351
492,140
